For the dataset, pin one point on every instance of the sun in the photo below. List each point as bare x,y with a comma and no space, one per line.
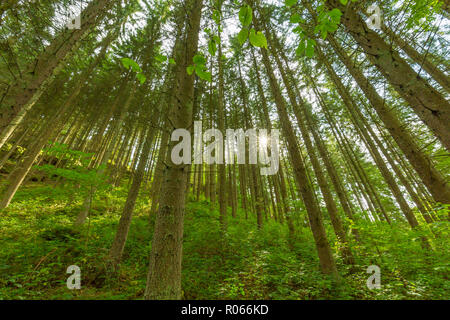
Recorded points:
263,141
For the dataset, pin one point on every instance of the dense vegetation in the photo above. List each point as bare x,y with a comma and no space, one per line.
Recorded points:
88,177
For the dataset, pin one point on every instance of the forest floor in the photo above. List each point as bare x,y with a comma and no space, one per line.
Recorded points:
38,242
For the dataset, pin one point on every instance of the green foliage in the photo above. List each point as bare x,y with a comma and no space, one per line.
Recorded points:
290,3
213,41
38,240
216,17
328,21
245,15
212,46
243,35
199,67
306,47
75,172
131,64
421,11
257,39
38,243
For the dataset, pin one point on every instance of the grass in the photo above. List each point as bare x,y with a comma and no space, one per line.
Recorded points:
38,243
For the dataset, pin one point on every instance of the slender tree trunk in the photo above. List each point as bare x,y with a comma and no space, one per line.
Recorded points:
23,94
164,276
115,253
423,165
427,102
18,175
13,147
109,148
357,117
221,124
315,216
317,168
418,58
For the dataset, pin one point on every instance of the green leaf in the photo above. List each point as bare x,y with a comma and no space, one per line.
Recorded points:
300,49
245,15
295,18
216,16
328,22
310,48
203,74
344,2
242,36
190,69
335,14
172,61
199,60
212,47
298,30
290,3
258,39
127,63
141,77
161,58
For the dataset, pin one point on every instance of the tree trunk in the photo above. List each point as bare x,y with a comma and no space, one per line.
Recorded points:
326,259
23,94
115,253
423,165
164,276
427,103
420,59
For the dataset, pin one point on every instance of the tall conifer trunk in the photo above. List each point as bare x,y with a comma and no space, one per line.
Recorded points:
164,276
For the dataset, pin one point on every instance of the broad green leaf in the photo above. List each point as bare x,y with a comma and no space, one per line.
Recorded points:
161,58
216,16
335,14
212,47
190,69
309,51
203,74
258,39
245,15
127,63
172,61
301,48
199,60
242,36
141,77
298,30
290,3
295,18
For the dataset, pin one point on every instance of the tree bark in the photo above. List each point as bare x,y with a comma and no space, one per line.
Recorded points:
427,102
23,94
422,164
164,276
